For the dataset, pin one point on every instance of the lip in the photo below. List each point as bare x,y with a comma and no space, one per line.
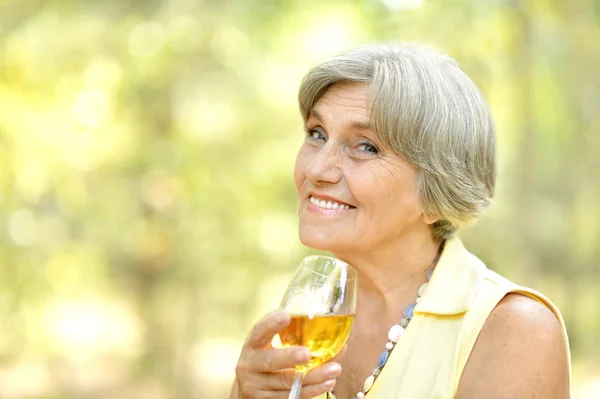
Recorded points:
312,208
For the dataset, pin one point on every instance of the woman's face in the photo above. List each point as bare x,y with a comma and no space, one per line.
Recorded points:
354,193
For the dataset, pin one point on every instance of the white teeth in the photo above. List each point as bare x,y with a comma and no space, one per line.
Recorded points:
327,204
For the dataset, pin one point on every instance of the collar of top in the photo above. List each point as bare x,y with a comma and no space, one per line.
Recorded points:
456,279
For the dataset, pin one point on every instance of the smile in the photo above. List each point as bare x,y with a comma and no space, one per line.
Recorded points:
328,204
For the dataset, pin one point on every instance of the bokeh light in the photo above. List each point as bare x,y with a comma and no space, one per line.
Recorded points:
147,202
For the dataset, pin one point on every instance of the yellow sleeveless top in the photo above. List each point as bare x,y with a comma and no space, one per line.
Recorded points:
429,359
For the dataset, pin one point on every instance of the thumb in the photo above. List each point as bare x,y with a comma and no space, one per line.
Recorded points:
267,327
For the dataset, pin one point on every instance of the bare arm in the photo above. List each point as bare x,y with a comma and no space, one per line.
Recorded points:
520,353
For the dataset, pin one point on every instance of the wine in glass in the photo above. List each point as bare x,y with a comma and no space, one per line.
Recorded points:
321,300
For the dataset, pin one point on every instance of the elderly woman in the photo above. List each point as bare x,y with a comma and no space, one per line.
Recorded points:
399,154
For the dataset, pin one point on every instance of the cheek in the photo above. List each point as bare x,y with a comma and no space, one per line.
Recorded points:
385,194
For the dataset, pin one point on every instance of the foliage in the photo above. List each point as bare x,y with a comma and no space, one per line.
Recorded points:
147,209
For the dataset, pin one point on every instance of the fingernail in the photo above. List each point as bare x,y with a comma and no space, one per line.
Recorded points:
330,383
302,355
333,370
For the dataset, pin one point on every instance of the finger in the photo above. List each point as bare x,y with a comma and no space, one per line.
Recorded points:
272,359
267,327
284,379
308,391
311,391
324,372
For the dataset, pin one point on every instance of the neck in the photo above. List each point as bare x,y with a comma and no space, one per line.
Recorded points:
390,273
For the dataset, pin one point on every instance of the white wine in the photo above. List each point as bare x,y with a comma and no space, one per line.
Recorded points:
323,335
321,300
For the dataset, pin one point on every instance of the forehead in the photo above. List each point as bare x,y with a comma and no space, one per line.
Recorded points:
345,100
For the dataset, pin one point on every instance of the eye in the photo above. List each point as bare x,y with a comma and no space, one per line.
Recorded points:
368,147
316,134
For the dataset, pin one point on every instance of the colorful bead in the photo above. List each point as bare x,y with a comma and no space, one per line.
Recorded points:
368,383
422,289
395,333
360,395
376,371
389,346
408,311
429,274
383,358
404,322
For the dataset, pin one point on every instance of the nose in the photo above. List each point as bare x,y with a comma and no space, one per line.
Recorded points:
324,167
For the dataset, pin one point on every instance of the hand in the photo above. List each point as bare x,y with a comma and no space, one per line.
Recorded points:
265,372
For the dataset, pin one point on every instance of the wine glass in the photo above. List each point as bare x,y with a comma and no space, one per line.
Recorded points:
321,300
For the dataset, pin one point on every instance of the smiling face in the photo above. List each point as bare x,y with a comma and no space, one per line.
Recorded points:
354,193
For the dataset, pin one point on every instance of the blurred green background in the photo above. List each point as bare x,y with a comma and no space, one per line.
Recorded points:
147,209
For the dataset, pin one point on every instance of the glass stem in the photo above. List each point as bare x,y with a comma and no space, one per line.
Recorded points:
297,386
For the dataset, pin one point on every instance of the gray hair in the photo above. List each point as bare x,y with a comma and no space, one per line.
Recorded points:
430,112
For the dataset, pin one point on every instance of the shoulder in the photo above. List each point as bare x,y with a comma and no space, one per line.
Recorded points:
520,352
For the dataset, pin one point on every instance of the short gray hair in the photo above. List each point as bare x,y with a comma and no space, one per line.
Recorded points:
432,114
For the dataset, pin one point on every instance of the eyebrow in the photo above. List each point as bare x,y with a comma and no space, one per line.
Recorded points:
358,125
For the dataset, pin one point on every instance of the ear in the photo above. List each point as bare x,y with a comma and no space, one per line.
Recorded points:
429,219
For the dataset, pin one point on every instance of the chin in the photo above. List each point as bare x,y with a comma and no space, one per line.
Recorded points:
311,242
319,240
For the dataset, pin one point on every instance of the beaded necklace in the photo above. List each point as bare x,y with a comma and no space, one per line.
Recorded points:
393,337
